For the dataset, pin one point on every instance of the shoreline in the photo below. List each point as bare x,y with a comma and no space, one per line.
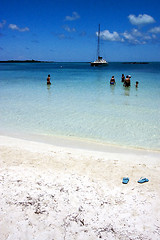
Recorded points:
57,192
75,142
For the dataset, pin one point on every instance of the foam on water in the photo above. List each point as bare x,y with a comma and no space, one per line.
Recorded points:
80,102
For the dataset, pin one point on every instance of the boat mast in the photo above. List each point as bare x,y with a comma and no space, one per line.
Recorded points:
98,47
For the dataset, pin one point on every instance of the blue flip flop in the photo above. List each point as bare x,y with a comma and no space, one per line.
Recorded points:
125,180
142,180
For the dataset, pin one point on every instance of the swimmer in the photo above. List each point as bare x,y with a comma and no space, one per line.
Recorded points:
122,78
48,80
112,81
137,84
127,81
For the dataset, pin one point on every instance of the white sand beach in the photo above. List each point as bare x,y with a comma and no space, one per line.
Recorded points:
54,192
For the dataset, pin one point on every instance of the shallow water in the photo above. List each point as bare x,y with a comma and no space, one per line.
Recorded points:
81,103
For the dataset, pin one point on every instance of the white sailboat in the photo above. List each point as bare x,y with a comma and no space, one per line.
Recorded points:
100,61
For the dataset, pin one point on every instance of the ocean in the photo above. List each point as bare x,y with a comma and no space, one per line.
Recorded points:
81,104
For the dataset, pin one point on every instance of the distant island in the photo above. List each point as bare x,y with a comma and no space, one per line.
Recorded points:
135,62
25,61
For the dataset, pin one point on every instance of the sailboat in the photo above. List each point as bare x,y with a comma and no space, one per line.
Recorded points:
100,61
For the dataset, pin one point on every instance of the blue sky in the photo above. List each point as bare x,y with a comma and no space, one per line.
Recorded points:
59,30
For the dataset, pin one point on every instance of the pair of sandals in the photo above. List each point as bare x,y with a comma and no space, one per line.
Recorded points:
141,180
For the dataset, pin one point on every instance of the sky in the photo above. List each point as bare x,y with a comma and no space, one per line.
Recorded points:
66,30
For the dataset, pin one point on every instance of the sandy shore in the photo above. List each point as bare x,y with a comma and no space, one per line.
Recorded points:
52,192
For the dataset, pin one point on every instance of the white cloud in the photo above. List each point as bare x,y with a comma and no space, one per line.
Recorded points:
15,27
74,16
2,23
129,37
68,29
147,37
136,37
155,30
62,36
142,19
136,33
106,35
154,36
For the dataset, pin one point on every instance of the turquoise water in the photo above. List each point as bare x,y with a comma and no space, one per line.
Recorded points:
81,103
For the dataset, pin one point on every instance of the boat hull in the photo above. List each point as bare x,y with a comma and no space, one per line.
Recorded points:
96,64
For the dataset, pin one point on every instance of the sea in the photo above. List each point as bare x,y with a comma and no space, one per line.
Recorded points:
81,104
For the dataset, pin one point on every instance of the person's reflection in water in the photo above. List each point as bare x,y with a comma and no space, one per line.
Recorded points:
49,90
48,87
126,91
112,87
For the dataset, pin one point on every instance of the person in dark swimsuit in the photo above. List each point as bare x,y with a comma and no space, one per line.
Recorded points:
112,81
136,84
122,78
127,81
48,80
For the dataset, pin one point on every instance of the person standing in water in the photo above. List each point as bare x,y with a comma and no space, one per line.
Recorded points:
122,78
112,81
127,81
48,80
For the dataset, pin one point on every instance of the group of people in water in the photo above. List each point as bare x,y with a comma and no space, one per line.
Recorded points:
126,81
